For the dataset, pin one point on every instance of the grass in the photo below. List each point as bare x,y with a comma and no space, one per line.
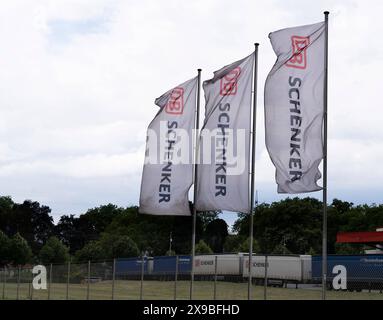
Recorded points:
164,290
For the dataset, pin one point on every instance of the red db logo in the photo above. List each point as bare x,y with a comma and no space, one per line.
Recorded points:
229,83
175,103
299,58
197,263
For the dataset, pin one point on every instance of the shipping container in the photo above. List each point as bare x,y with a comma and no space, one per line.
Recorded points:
132,266
362,271
166,265
227,264
285,268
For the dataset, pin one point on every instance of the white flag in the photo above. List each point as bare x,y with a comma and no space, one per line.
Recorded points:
223,172
168,169
294,107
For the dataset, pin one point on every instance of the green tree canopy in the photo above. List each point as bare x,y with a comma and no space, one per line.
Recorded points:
215,234
92,251
20,251
233,242
202,248
289,225
54,251
118,246
75,232
245,246
4,248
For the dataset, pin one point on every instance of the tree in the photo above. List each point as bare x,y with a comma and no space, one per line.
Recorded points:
215,234
151,233
75,232
202,248
117,246
297,220
96,220
341,206
290,225
233,242
4,248
281,249
206,217
170,253
20,251
54,251
32,222
92,251
71,231
109,246
6,206
245,246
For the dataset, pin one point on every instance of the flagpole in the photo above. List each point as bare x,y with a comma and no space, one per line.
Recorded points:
324,240
253,171
195,183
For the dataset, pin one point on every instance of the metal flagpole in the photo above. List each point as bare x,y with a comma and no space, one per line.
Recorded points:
324,240
67,281
253,170
170,244
195,183
88,285
176,278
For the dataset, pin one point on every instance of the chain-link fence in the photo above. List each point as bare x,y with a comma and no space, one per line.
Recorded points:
220,277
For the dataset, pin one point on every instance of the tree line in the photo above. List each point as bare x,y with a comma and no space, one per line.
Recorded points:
28,233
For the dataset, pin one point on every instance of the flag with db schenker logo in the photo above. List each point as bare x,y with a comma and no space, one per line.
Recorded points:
166,182
294,107
224,149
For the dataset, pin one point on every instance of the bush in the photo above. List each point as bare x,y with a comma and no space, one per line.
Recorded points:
170,253
245,246
280,249
202,248
346,248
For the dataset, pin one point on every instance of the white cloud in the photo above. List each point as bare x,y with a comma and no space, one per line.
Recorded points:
93,165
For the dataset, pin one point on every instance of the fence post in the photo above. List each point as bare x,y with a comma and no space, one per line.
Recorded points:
175,279
88,286
67,281
142,276
50,282
18,283
113,277
265,284
31,286
5,281
215,277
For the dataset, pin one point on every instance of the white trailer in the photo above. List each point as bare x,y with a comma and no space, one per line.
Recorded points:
227,264
295,269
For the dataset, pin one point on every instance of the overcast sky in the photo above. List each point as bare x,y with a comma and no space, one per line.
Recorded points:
78,79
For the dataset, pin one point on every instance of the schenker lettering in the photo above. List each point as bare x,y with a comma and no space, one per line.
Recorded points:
220,150
295,162
166,172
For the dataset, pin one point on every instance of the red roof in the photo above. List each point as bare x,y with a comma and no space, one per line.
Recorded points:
359,237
